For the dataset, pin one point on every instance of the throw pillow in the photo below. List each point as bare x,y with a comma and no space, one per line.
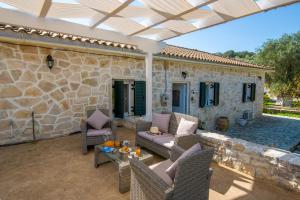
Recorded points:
161,121
171,171
186,127
97,119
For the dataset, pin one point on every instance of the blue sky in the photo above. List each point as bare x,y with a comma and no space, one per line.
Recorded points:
247,33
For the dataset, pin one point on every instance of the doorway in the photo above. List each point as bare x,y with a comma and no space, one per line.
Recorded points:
180,98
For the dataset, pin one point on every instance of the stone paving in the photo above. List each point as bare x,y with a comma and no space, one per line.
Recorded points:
269,130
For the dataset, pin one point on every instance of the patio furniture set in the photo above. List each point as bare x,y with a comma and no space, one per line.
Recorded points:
184,175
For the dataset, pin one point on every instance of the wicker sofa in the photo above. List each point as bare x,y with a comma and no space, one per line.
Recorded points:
162,144
90,139
191,182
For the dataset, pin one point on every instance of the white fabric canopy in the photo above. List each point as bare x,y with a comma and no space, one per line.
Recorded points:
151,19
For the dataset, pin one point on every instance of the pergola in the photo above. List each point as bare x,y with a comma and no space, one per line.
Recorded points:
144,23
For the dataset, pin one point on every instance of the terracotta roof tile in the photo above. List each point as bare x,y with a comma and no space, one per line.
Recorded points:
193,54
63,36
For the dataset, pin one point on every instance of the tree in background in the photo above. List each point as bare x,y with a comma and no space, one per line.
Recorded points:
284,55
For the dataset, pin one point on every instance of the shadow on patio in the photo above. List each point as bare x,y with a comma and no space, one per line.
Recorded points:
56,169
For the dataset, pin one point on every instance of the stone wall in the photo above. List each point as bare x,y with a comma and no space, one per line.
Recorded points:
60,97
276,165
83,80
231,86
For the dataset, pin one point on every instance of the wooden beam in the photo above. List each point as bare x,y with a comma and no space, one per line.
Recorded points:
112,13
45,8
174,17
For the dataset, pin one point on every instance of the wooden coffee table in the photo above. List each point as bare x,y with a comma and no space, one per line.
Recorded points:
121,161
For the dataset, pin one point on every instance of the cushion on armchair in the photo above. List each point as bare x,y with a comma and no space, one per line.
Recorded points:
171,171
95,132
97,119
161,121
186,127
160,170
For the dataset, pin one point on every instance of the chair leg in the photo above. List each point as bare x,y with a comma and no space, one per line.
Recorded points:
84,149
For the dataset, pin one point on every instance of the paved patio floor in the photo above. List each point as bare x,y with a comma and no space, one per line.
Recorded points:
56,169
271,130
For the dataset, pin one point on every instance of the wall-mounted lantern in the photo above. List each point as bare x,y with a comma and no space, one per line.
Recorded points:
183,75
50,61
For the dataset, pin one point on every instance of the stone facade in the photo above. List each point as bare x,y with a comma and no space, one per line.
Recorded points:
276,165
231,86
60,97
83,80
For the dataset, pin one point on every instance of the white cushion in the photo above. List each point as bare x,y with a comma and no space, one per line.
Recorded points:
151,137
186,127
167,142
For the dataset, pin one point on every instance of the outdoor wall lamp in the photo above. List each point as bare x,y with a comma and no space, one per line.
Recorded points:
50,61
183,75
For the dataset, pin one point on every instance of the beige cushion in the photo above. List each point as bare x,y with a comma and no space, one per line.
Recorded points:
160,170
97,119
171,171
95,132
167,141
161,121
186,127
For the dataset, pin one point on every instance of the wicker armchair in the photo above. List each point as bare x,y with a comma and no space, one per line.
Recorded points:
95,139
184,141
191,181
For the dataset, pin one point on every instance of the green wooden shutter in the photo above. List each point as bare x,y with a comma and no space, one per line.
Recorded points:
216,93
119,99
244,98
139,98
253,91
202,94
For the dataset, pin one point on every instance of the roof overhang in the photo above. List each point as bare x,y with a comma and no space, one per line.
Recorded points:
140,22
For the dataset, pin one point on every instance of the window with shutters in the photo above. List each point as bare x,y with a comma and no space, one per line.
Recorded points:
129,98
209,94
249,90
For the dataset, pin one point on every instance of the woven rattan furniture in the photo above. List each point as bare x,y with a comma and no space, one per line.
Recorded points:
184,141
121,162
191,181
95,139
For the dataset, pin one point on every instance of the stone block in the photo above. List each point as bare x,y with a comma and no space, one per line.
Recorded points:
84,91
5,78
8,91
91,82
22,114
33,92
46,86
27,102
57,95
41,108
6,105
55,110
90,61
16,74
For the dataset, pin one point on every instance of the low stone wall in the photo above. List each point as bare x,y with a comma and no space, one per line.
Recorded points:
259,161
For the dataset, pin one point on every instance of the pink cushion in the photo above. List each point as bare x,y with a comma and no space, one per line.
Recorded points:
171,171
160,170
150,137
161,121
167,141
186,127
97,119
95,132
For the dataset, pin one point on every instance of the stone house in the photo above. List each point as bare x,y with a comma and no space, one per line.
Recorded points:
89,73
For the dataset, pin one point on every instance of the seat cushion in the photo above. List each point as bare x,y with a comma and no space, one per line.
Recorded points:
186,127
167,141
151,137
160,169
95,132
97,120
171,171
161,121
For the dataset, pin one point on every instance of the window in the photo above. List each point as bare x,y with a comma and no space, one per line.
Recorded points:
249,90
129,98
209,94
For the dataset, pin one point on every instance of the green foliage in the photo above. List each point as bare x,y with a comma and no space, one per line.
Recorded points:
284,55
296,104
268,101
242,55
